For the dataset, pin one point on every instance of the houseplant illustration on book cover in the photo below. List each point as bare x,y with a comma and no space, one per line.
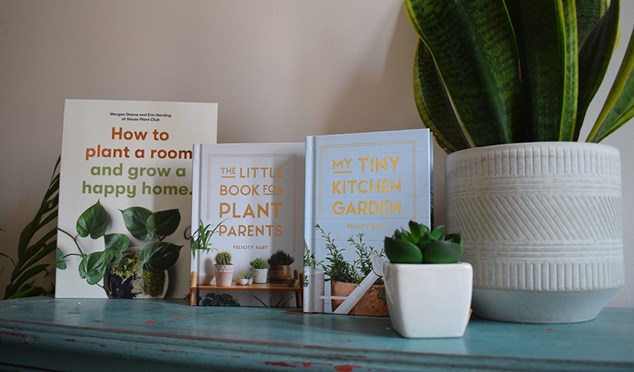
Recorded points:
253,195
359,188
125,197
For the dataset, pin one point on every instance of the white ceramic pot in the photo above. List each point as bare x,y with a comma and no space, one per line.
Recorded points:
260,275
542,228
428,300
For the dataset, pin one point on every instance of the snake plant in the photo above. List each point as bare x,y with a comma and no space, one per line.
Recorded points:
489,72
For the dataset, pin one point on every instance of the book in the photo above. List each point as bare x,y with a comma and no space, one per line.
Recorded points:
254,195
360,188
125,196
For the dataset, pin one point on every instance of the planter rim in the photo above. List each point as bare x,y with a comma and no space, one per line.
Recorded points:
431,266
568,144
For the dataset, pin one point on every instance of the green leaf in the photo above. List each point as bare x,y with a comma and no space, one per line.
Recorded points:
594,58
60,261
117,244
434,105
135,220
30,273
473,45
588,14
546,35
94,265
402,251
619,106
164,223
94,221
444,251
159,256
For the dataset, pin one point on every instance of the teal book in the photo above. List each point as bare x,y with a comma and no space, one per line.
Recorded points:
360,188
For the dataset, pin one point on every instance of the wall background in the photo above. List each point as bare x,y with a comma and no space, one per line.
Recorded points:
279,69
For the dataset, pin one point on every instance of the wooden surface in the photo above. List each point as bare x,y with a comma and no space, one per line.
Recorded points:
66,334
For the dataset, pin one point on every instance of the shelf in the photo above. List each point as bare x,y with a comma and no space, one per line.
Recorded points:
100,334
297,287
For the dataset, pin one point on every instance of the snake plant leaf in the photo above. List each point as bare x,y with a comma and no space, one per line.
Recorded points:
619,106
594,58
402,251
473,45
546,33
434,106
589,12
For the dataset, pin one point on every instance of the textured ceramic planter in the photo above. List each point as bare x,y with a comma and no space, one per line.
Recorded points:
224,275
542,228
428,300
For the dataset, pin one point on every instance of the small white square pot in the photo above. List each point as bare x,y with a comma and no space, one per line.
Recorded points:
429,300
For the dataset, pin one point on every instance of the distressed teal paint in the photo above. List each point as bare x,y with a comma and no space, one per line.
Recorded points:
108,334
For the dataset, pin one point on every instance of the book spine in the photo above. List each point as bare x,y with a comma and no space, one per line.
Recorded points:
196,197
312,303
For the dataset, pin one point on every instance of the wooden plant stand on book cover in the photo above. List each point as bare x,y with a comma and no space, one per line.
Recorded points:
297,287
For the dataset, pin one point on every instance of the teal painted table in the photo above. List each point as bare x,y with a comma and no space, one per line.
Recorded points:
132,334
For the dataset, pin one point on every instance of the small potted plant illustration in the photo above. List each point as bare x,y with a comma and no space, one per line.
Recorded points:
428,290
201,238
223,269
346,275
280,266
260,270
244,278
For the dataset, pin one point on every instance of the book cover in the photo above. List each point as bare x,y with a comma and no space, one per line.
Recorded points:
254,195
125,197
359,188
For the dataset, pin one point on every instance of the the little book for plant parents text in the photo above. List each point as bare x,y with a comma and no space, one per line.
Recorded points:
252,197
359,188
125,197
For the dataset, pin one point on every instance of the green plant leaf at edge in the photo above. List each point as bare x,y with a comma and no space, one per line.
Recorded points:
619,106
594,57
93,221
135,220
473,45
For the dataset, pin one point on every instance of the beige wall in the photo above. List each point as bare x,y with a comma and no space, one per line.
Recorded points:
279,69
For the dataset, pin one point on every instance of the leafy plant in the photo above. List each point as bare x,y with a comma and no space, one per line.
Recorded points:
223,258
37,241
281,258
488,71
201,238
342,270
245,275
258,263
422,245
215,299
153,227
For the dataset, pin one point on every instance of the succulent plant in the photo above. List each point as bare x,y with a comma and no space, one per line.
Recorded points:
421,245
281,258
258,263
223,258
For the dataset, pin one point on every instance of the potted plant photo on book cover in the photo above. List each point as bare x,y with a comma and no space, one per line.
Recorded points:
428,290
